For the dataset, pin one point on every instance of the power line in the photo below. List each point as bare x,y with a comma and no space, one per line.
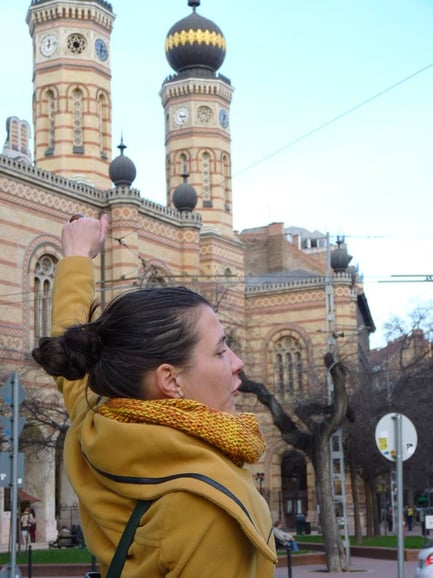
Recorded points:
332,120
422,278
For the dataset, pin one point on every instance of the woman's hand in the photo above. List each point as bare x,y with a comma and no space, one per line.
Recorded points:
84,236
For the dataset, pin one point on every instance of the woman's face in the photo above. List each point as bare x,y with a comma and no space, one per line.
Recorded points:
212,374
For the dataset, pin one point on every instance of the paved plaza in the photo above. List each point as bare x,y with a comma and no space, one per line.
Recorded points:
368,567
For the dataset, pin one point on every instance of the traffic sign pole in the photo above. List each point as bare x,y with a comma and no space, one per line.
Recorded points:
396,439
12,474
399,480
15,407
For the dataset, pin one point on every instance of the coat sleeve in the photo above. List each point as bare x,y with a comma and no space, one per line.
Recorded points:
73,294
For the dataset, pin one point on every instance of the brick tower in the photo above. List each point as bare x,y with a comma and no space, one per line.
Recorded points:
72,88
196,103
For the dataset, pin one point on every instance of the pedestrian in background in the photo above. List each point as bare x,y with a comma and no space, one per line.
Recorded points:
284,538
389,517
26,521
408,516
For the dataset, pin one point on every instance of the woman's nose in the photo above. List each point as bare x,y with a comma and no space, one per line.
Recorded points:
237,363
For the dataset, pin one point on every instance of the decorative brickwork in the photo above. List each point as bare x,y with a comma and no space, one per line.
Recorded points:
269,290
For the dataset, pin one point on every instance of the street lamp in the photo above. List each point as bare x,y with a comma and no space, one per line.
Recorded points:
260,477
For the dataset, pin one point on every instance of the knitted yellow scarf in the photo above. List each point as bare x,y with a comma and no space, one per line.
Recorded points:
236,435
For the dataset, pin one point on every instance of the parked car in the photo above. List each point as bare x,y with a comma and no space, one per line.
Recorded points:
425,563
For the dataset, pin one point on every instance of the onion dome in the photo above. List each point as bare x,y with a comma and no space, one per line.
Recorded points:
195,43
122,170
340,258
185,196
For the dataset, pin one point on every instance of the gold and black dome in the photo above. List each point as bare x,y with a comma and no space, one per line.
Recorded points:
195,43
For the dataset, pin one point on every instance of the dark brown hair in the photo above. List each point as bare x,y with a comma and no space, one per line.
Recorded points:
137,332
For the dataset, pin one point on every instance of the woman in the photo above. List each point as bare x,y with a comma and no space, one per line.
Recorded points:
283,538
26,522
150,388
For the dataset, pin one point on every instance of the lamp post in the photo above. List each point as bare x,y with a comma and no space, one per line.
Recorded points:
296,480
260,477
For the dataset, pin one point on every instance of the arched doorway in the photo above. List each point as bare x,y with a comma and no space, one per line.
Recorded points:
294,486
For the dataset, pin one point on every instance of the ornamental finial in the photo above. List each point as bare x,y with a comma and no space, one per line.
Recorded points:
194,4
122,146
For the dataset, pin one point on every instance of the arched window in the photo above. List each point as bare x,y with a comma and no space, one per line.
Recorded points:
13,126
227,183
50,115
279,373
289,370
24,137
102,125
184,165
17,139
299,368
294,486
205,168
288,366
77,122
181,166
51,121
44,277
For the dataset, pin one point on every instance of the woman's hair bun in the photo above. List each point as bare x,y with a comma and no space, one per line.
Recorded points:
70,355
83,347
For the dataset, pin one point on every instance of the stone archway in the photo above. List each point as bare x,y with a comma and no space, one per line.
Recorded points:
293,486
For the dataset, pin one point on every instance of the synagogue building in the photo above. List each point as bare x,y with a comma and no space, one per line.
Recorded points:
284,295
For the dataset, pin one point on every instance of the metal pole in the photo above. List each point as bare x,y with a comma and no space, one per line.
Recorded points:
14,492
338,435
289,562
399,483
29,562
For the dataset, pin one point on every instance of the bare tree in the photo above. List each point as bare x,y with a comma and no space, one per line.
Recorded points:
43,409
399,380
47,420
315,442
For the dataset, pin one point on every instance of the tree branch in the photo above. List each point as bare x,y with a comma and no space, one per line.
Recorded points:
340,403
289,430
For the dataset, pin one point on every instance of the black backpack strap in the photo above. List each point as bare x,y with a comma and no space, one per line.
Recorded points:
118,560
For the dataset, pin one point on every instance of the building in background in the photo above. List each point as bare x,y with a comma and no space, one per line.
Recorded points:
268,284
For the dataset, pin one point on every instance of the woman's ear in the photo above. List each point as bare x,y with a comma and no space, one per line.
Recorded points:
165,381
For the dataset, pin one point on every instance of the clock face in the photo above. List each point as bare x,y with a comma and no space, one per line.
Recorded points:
224,118
48,45
101,50
181,116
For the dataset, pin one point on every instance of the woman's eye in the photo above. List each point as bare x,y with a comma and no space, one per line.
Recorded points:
221,353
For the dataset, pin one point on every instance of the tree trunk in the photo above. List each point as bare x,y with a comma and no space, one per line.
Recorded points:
316,444
334,550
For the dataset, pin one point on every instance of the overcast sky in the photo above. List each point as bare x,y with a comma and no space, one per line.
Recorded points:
312,143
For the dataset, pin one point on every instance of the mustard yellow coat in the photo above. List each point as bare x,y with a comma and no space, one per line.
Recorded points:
193,529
